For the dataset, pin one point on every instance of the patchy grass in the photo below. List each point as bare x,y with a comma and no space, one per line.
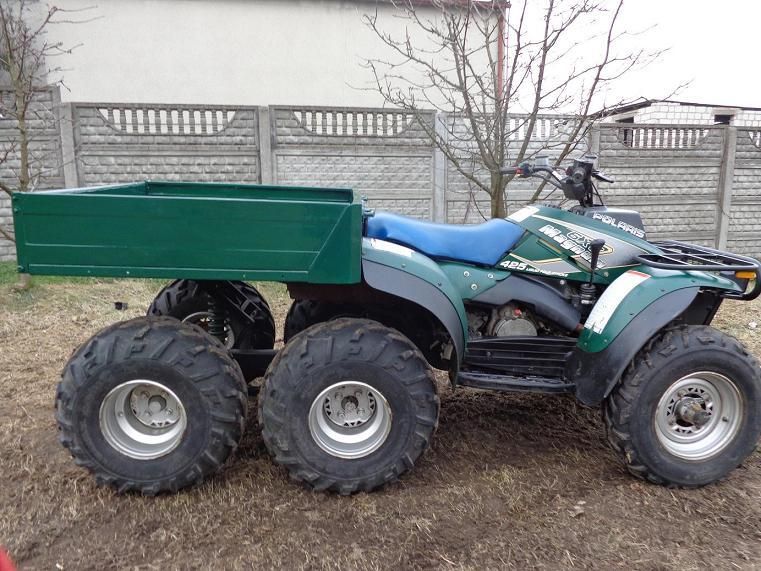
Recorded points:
518,481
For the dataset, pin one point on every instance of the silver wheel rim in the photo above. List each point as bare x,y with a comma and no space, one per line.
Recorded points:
699,415
350,420
142,419
201,318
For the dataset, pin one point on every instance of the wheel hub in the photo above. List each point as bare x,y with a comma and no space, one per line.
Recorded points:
154,407
142,419
692,411
347,407
350,420
699,415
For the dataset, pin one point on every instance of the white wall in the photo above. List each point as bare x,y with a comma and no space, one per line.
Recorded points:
252,52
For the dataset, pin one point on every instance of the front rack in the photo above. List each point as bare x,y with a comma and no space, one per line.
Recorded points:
689,257
677,255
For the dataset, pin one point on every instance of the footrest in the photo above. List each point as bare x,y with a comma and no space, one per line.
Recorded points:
508,383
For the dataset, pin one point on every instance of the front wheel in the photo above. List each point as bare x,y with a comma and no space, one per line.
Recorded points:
348,405
686,412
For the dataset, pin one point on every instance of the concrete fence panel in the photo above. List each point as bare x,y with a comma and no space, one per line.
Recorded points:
698,183
465,201
670,173
124,142
44,152
381,154
744,228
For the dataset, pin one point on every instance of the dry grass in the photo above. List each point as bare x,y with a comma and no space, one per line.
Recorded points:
511,481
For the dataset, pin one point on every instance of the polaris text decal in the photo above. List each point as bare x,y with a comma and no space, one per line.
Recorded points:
620,224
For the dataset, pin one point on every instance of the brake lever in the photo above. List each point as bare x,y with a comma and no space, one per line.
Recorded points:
523,170
601,176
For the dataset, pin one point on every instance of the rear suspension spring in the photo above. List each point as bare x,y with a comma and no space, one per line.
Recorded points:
217,318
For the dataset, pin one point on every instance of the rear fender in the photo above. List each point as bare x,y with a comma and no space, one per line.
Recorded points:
402,272
634,308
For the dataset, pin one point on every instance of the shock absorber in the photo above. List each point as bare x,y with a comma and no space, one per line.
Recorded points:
217,318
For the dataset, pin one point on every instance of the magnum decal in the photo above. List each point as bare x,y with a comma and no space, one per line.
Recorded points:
575,242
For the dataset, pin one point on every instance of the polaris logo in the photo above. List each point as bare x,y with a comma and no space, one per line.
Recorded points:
620,224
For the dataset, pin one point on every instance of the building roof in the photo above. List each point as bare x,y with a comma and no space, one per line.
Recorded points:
642,103
495,4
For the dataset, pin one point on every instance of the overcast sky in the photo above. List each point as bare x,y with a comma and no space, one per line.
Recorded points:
714,44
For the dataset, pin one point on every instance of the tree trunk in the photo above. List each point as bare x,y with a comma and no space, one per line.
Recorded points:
23,175
498,209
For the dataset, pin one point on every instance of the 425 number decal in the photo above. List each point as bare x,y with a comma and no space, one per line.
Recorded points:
520,266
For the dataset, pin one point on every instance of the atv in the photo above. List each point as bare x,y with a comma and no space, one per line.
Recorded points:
547,300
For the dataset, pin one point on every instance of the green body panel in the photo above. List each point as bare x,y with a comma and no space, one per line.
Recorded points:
267,233
552,234
471,281
192,230
619,305
420,266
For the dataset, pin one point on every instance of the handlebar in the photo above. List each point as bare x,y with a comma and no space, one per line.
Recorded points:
577,174
577,184
525,170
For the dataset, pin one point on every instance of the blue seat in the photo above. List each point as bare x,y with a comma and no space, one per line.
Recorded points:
483,244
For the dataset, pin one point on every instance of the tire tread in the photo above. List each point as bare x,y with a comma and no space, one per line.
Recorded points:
620,406
228,407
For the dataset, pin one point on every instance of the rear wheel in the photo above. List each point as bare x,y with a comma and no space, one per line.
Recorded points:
187,301
151,405
686,411
348,405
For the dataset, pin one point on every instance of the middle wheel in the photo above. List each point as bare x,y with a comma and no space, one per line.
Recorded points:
187,301
348,405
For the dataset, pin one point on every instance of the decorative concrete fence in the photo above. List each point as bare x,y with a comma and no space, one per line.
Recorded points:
696,183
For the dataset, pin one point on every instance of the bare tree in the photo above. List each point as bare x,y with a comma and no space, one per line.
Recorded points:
494,68
28,62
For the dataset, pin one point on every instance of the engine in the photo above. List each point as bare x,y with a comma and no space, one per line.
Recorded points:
507,320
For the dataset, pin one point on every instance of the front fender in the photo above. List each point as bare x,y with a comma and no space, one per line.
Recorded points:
402,272
634,308
632,293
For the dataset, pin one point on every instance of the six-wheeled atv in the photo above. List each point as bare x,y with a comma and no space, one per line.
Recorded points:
548,300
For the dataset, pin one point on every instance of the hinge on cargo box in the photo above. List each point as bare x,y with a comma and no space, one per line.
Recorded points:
366,210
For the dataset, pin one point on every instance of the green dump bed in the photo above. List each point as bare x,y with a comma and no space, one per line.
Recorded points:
191,230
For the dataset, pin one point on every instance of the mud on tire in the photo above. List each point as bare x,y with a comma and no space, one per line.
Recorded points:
685,375
312,382
184,386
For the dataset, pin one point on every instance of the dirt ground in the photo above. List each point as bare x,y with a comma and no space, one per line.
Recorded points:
511,481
